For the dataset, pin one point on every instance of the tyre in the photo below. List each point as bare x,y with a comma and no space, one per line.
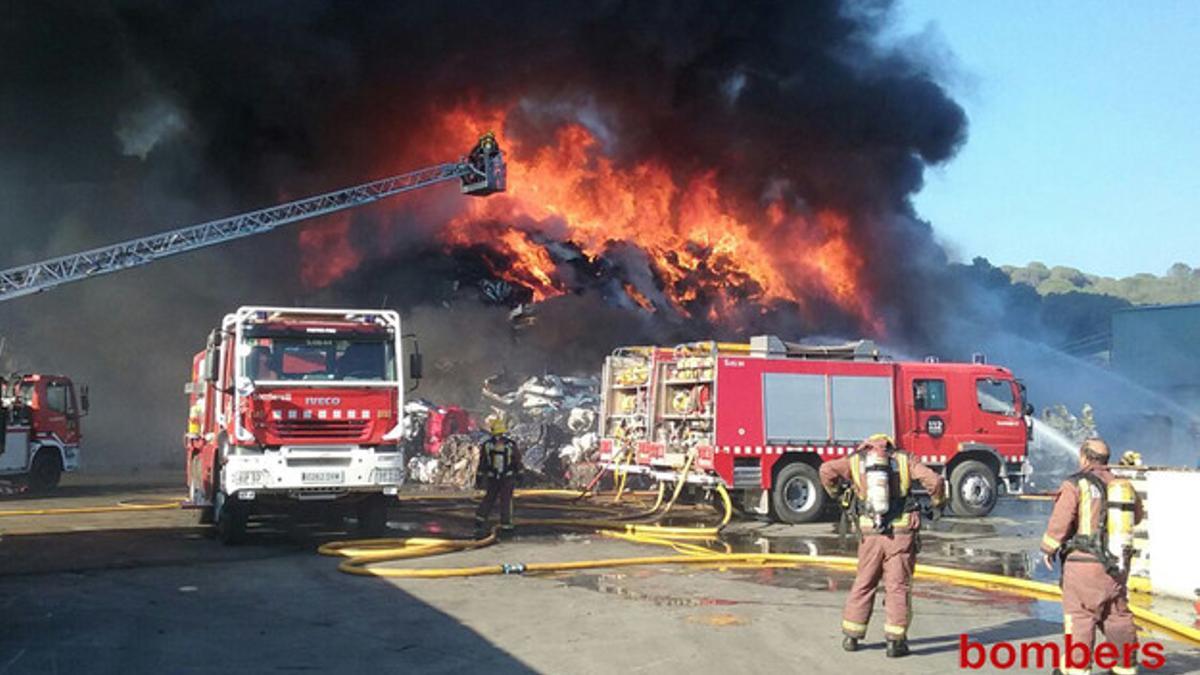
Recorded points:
45,472
231,519
973,489
372,513
797,495
196,491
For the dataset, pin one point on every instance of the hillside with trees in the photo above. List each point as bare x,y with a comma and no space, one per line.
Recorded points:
1180,284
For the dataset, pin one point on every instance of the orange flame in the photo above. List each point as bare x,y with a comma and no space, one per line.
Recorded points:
699,242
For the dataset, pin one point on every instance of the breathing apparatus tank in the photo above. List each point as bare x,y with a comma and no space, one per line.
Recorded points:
877,474
1119,527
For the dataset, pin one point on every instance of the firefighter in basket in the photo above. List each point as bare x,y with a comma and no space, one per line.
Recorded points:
486,147
499,466
1091,533
873,484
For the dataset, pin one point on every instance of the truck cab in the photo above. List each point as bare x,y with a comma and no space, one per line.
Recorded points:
40,429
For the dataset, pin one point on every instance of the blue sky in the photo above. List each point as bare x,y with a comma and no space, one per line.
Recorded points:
1084,145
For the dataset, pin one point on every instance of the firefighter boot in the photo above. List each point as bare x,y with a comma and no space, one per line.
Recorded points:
897,648
506,530
850,644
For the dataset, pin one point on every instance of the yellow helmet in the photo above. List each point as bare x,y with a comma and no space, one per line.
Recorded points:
882,437
497,425
1131,458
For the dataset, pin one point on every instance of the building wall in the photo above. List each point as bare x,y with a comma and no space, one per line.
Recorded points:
1159,349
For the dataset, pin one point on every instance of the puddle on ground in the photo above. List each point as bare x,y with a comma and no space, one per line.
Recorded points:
1016,564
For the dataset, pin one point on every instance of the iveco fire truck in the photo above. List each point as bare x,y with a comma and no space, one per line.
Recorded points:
297,409
39,429
761,417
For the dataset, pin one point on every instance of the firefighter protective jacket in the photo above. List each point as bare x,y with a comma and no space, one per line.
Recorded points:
905,469
1073,515
499,457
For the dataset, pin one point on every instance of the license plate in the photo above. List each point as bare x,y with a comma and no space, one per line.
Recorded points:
321,476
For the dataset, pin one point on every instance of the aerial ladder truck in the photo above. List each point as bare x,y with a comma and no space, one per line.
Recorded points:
36,455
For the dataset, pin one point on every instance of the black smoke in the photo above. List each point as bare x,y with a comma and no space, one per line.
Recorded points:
122,119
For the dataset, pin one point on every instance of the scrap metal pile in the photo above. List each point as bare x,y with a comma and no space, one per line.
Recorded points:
552,418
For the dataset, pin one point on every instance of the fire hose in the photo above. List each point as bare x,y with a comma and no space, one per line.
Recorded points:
363,556
125,506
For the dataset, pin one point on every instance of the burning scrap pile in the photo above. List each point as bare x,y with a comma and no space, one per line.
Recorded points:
552,419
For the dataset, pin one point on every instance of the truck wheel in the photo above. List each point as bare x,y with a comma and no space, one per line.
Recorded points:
797,495
372,514
196,488
973,489
231,520
45,472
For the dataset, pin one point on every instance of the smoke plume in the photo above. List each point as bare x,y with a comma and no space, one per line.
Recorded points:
791,120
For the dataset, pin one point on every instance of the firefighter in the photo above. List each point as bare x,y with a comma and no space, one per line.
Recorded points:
1091,533
500,466
874,483
486,147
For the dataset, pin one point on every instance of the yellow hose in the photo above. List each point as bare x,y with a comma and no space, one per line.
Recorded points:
687,467
120,506
361,555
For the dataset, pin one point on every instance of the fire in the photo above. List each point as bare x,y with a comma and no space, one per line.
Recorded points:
701,245
709,254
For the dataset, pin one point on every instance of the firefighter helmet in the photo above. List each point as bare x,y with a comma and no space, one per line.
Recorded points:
884,438
497,425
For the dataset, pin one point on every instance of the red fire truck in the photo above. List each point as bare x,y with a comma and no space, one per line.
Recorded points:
39,429
761,417
297,410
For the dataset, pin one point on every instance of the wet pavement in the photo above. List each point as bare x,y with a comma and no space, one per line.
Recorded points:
136,591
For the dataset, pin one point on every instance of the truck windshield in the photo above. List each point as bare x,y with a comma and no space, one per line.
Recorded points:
322,358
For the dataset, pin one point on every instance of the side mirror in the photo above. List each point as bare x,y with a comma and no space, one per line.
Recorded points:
1029,409
85,400
416,369
212,366
212,357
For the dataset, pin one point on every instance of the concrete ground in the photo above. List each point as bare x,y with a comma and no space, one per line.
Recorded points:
149,592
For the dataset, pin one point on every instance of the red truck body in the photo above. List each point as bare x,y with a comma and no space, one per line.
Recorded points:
744,413
291,406
40,430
